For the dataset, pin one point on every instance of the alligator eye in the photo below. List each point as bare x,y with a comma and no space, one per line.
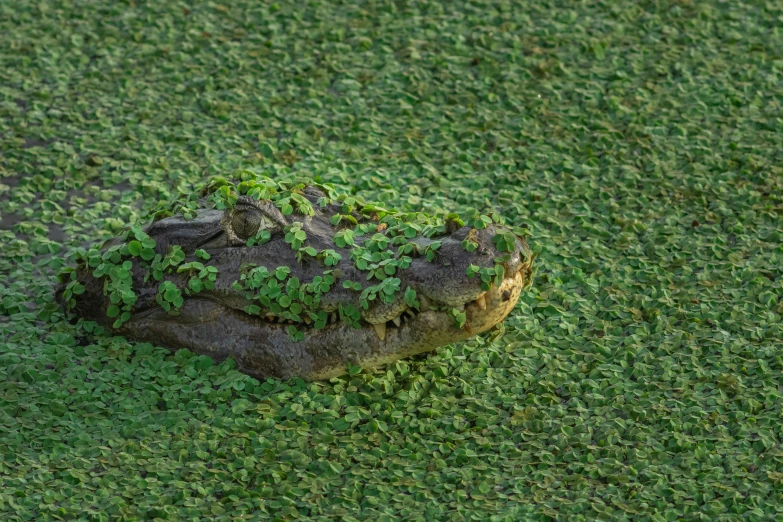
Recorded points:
245,221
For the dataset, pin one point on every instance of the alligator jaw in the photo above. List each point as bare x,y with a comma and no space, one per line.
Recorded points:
482,314
262,348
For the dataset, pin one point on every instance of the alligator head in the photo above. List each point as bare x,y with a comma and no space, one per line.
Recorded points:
294,280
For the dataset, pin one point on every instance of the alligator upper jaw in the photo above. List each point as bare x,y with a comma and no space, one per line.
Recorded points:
264,349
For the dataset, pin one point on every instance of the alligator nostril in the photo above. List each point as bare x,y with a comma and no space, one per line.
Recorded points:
506,295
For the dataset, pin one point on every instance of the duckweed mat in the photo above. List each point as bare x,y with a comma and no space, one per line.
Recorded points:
640,377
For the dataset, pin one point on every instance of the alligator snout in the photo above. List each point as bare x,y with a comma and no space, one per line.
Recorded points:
449,280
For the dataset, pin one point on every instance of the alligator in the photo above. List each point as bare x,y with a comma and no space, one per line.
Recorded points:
293,279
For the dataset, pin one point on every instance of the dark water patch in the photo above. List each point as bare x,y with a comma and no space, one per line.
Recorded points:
56,233
11,181
122,186
9,219
29,143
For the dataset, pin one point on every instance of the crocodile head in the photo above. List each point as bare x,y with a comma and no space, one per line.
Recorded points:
294,280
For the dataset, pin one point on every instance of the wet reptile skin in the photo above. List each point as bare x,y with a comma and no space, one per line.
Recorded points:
310,337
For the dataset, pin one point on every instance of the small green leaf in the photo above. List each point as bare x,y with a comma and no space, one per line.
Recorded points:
135,248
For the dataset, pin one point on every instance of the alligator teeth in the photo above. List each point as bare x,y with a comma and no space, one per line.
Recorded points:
396,321
307,320
380,329
481,302
467,328
424,302
460,307
333,317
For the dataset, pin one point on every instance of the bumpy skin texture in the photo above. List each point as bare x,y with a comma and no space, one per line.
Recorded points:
216,322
